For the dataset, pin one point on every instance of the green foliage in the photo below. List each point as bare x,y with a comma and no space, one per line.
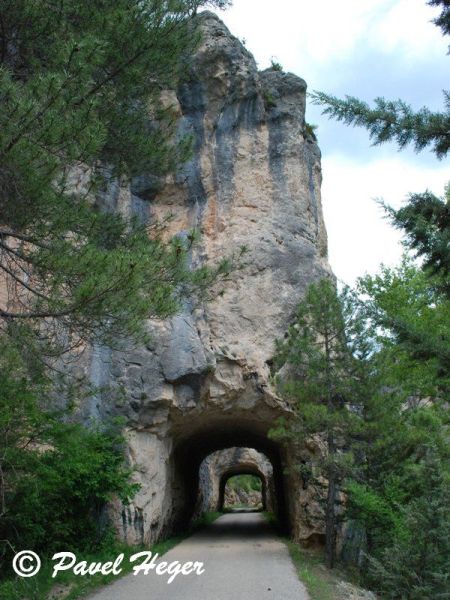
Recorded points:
82,114
55,476
320,583
324,350
399,488
275,65
56,500
412,316
311,130
247,483
386,428
244,487
443,20
425,219
324,355
221,4
392,120
269,100
379,517
80,88
416,565
205,519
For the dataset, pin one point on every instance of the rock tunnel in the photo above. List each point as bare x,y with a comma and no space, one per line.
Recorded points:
192,451
203,382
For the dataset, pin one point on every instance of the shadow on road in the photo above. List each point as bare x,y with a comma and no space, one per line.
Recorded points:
242,524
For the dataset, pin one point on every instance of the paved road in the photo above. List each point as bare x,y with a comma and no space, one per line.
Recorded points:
243,560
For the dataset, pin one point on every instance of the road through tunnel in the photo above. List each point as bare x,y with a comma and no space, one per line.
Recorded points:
238,448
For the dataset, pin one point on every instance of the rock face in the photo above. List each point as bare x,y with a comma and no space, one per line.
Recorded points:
239,498
203,383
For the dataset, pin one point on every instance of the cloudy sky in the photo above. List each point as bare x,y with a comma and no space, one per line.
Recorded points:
364,48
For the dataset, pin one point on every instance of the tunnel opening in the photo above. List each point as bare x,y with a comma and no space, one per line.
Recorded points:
243,492
191,450
243,463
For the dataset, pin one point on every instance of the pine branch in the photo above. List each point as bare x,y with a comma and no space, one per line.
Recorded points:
392,121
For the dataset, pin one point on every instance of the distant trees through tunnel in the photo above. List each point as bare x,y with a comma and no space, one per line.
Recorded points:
243,492
209,456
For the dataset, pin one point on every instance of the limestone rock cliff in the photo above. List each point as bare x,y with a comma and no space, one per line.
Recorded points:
203,383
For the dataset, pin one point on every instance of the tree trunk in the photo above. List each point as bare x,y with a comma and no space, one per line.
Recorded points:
330,517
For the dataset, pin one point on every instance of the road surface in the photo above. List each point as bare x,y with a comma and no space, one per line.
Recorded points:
243,559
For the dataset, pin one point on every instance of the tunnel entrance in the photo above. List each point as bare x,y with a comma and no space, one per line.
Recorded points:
243,492
237,449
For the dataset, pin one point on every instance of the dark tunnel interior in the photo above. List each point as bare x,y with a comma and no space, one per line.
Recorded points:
191,450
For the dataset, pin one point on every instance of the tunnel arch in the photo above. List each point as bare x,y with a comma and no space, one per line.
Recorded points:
242,470
193,447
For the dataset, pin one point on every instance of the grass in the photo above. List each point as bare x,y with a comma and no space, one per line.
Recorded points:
271,519
206,519
320,583
323,583
74,587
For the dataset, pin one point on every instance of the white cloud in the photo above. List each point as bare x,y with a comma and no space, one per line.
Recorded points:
407,29
359,238
300,32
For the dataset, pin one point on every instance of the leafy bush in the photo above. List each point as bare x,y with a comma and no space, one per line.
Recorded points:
269,100
275,65
56,476
311,130
247,483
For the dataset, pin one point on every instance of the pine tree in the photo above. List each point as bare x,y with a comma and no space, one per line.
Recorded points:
392,120
80,85
412,317
399,489
324,358
425,218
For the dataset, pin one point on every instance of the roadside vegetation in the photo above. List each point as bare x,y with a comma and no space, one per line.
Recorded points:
247,483
321,582
67,586
246,489
367,371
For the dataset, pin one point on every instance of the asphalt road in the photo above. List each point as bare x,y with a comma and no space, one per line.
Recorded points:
243,559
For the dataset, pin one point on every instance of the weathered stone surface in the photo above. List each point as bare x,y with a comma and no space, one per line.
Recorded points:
184,354
203,383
